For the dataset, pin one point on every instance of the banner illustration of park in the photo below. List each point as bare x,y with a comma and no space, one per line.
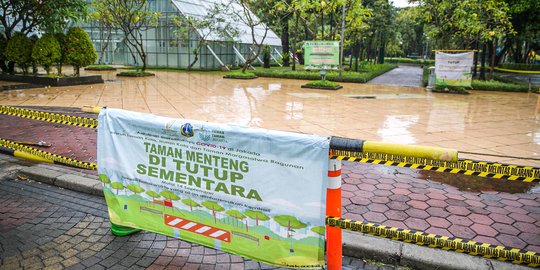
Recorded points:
252,192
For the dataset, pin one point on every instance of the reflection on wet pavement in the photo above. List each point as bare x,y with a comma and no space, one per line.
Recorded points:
483,122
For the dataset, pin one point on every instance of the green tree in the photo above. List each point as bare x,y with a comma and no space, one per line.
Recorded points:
104,179
153,194
46,51
34,16
133,17
134,188
214,206
191,203
62,40
210,26
320,230
290,223
239,11
525,18
256,215
237,215
19,51
104,18
118,186
80,51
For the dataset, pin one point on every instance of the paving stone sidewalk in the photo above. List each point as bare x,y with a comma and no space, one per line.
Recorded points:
486,210
46,227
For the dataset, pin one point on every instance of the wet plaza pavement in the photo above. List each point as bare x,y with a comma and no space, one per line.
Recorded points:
492,123
495,126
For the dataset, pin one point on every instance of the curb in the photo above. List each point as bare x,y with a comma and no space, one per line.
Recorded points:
356,245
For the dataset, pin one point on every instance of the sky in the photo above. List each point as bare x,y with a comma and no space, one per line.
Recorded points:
401,3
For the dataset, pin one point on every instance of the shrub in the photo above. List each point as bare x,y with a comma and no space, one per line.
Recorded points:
520,66
371,72
80,51
493,85
239,74
46,51
62,40
266,56
324,83
409,61
19,50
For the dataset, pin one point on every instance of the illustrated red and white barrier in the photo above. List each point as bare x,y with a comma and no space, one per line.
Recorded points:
198,228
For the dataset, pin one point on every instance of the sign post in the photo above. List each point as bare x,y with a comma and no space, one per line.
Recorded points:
321,54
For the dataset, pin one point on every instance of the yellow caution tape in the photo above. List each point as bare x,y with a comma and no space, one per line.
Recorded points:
50,117
518,71
438,241
437,153
50,157
462,166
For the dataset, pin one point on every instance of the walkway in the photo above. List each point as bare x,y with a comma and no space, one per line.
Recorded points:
404,75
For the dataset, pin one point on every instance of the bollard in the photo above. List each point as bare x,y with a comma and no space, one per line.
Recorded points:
333,208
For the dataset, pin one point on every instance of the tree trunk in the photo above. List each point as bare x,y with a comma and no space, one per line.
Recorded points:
285,39
483,63
295,40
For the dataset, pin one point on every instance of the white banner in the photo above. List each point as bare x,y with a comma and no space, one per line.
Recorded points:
252,192
453,69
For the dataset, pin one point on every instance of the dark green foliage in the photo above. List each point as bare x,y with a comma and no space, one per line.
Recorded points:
266,56
62,40
357,77
240,74
322,84
520,66
499,86
80,51
19,50
409,61
135,73
46,51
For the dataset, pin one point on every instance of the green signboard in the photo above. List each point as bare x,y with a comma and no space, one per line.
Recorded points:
321,54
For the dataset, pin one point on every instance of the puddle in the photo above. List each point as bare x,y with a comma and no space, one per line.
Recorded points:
308,95
476,184
388,96
467,183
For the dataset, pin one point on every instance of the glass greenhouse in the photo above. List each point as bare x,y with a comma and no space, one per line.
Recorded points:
165,48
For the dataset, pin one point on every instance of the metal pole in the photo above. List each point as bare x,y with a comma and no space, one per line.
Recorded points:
342,38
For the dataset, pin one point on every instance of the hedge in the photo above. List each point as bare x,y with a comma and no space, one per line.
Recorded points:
410,61
520,66
348,76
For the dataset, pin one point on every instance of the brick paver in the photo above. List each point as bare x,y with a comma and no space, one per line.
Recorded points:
45,227
486,210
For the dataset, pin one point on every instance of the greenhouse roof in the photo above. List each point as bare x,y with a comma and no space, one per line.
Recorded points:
200,8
